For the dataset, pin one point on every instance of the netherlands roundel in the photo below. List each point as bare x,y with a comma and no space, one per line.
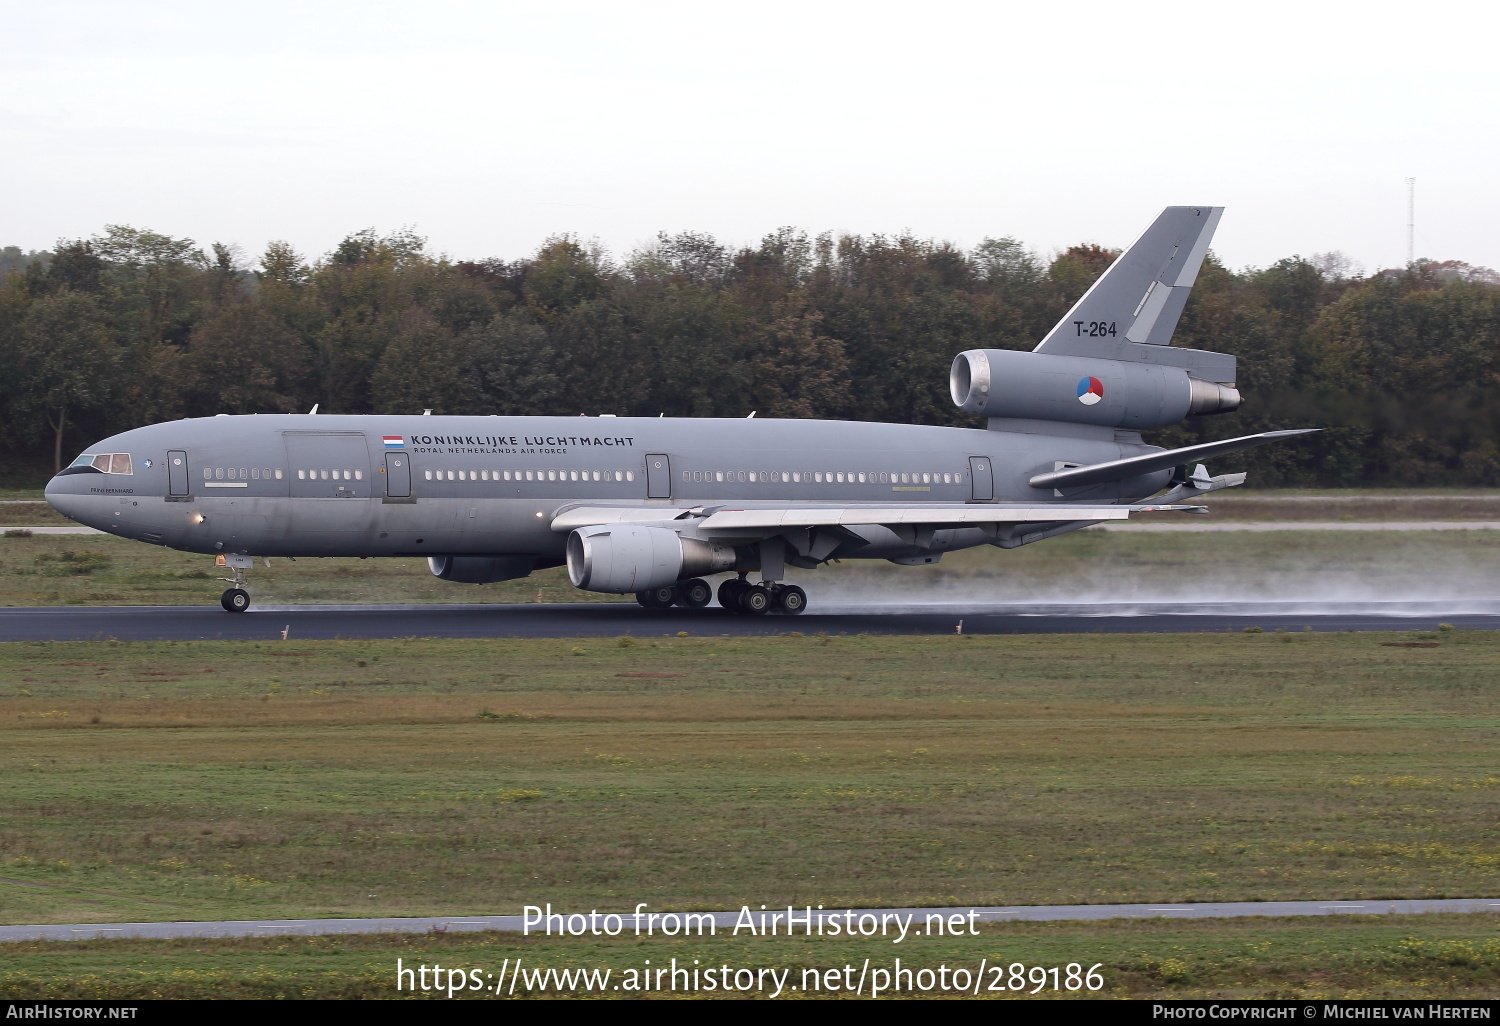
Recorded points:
1090,391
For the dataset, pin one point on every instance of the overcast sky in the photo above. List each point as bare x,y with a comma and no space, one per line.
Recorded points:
490,126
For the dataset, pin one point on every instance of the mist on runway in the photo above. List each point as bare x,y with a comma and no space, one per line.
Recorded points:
1388,572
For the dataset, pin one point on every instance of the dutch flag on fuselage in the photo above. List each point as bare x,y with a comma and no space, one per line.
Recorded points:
394,441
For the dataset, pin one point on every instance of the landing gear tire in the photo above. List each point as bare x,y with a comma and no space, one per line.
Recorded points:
729,594
755,599
235,600
694,594
658,598
790,600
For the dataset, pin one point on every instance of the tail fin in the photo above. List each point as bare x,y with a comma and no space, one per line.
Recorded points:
1141,296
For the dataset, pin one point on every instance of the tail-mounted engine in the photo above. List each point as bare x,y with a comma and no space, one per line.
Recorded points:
1082,390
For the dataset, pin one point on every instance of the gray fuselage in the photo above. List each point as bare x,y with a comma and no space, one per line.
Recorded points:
303,485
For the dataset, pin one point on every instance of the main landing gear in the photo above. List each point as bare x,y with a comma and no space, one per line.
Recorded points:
740,596
235,599
736,595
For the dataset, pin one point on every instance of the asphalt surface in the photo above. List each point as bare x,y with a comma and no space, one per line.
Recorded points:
600,619
726,921
1169,526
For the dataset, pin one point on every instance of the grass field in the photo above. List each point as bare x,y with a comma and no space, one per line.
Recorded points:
1347,957
430,777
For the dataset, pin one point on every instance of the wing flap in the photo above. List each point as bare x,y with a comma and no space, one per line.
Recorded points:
774,519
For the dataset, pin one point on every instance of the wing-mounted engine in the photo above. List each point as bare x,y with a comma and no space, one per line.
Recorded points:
626,558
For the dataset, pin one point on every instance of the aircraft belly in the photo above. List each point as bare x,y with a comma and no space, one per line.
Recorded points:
456,526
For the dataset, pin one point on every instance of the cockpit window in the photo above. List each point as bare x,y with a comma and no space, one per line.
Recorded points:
107,463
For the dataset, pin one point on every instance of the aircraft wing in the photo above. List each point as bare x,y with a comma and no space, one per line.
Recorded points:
721,519
1118,470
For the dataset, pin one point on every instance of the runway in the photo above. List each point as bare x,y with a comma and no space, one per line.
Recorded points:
726,921
611,619
1129,526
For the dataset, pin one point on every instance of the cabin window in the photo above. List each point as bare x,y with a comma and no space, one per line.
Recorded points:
359,475
573,475
278,473
426,475
255,473
630,475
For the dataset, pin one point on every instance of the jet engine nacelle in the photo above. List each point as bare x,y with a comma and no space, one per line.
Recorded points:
480,569
625,558
1081,390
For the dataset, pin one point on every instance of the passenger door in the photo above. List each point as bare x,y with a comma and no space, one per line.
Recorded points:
397,475
177,472
658,476
982,475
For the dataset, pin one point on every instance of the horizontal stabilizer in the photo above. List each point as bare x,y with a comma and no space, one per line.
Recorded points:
1119,470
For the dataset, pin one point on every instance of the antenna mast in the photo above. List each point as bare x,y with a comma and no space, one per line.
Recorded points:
1411,221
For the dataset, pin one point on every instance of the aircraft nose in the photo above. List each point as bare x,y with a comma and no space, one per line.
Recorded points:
63,498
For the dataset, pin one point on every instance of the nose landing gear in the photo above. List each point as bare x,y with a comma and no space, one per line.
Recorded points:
235,599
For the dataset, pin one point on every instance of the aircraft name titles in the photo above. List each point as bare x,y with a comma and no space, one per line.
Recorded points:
488,442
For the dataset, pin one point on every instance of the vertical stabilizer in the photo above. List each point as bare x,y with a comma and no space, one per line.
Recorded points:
1141,296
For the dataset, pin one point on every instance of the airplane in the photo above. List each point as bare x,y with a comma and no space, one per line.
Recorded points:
652,506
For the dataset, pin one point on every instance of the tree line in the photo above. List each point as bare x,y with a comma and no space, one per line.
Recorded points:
132,327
